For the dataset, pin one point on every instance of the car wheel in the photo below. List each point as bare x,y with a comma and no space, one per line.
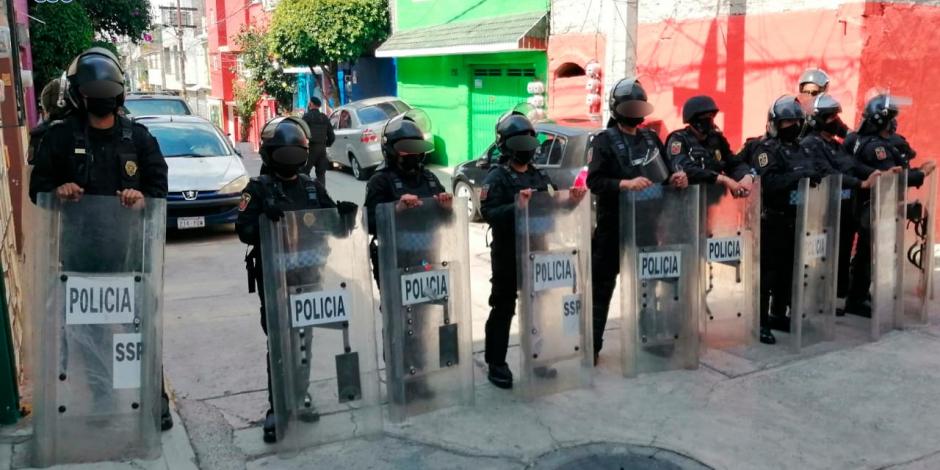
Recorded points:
463,189
357,169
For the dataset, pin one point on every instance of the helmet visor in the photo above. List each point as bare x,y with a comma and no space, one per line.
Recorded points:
101,89
413,147
289,155
522,143
634,109
416,116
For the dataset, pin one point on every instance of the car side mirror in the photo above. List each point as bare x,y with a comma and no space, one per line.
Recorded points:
483,163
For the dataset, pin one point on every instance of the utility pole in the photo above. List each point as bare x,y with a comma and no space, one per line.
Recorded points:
179,46
632,34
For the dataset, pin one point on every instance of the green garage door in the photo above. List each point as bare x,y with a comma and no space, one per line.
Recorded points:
493,91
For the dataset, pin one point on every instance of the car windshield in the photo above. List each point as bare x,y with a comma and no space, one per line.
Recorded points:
188,139
377,113
156,107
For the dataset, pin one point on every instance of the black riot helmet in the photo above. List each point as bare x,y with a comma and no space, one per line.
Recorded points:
823,106
515,137
815,76
628,101
95,73
879,112
406,135
784,108
698,105
284,144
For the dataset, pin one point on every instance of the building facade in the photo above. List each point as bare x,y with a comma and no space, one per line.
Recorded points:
466,62
747,53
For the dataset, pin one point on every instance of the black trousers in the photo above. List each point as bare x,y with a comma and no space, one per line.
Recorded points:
776,265
259,279
848,228
861,265
503,294
318,162
605,267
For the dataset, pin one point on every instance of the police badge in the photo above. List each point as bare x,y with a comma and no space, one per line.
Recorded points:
675,147
762,159
130,168
880,153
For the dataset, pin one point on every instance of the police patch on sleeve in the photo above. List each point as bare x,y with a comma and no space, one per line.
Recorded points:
880,153
762,159
130,168
243,204
484,192
675,147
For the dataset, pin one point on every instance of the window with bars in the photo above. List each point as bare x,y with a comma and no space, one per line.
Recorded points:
169,18
487,72
520,72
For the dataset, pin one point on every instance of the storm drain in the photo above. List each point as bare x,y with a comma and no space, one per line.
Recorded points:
608,456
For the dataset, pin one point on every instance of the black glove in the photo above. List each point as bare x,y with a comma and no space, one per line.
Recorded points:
346,207
274,213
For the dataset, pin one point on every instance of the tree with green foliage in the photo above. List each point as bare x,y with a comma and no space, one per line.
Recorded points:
119,18
327,33
58,32
247,93
257,60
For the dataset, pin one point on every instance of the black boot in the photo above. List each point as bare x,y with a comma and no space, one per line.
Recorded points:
856,307
166,419
270,428
500,375
543,372
767,337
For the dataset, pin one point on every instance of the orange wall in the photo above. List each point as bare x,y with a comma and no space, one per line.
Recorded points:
567,96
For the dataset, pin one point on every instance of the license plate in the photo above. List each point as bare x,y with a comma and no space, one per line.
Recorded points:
190,222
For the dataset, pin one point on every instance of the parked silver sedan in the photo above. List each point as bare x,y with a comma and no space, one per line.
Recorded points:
358,127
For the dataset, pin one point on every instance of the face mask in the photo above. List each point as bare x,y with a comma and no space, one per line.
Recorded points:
101,107
630,122
893,126
409,164
789,134
285,171
837,128
703,125
523,158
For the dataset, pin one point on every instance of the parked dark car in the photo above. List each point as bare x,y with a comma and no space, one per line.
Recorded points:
562,154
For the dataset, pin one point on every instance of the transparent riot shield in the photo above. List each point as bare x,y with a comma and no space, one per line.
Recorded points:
887,235
917,253
97,330
425,287
553,248
815,261
731,275
660,288
321,328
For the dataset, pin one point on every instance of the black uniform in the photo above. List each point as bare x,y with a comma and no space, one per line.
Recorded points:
498,208
321,137
389,185
704,161
830,153
874,152
781,166
613,159
100,161
262,194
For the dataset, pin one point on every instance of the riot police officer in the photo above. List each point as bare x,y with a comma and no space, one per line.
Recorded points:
781,163
405,180
55,108
514,174
813,82
877,147
403,177
624,158
95,151
703,152
824,129
284,149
